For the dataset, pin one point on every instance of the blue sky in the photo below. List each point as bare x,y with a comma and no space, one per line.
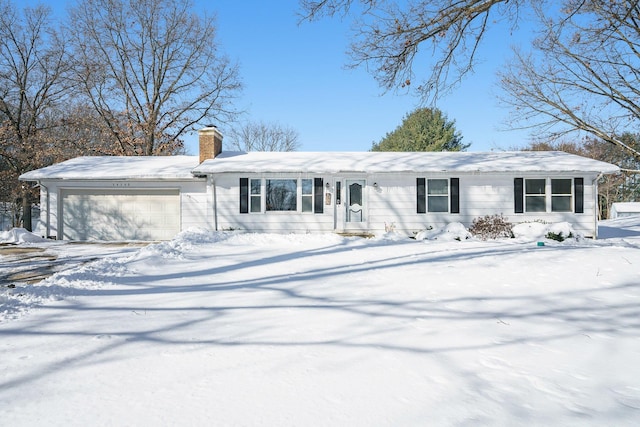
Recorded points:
294,74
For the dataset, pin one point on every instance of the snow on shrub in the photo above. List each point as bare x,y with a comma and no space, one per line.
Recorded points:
452,231
560,231
531,231
491,227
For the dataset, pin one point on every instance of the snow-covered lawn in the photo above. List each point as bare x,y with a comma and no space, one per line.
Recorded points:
320,330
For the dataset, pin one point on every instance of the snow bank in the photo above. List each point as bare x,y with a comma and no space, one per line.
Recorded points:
20,235
185,241
524,232
533,231
452,231
392,236
19,299
292,239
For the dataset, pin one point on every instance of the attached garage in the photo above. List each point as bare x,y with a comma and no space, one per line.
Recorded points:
110,198
115,214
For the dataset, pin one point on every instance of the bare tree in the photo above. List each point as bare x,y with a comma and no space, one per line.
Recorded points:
260,136
389,35
582,76
34,68
152,69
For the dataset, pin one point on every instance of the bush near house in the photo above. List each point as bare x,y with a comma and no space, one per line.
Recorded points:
491,227
559,236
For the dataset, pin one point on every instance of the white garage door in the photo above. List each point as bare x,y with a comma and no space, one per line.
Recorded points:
96,214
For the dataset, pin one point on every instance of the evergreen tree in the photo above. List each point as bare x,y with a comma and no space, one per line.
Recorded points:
425,129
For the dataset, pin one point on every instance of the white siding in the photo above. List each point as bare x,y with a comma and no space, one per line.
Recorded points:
195,204
228,216
393,203
215,204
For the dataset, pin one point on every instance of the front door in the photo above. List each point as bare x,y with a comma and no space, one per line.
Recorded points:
354,202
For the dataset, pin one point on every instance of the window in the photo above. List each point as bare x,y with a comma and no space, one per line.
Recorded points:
567,195
535,198
307,195
561,195
281,194
256,195
438,195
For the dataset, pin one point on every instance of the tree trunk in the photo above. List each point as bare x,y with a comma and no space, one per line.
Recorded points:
26,211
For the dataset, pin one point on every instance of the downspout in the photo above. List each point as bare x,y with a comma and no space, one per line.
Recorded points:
215,205
594,184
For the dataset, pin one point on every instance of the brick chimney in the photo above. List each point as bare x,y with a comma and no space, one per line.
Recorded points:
210,140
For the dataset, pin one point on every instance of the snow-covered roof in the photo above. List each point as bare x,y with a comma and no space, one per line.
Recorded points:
336,162
626,206
185,167
118,167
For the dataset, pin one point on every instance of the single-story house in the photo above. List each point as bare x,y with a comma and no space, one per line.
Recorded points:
623,209
153,198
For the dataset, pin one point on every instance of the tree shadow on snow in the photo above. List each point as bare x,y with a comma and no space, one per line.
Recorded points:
266,309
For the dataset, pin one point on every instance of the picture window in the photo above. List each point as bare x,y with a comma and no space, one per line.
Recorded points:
281,194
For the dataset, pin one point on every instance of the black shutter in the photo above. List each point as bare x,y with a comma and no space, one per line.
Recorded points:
455,195
421,195
318,195
244,195
518,194
578,183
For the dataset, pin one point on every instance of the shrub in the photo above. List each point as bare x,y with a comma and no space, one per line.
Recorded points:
559,237
491,227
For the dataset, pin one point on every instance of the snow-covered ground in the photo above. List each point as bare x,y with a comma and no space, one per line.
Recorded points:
319,330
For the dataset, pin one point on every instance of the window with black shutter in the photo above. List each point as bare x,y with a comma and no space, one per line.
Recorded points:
455,195
421,195
281,195
244,195
518,195
318,195
578,184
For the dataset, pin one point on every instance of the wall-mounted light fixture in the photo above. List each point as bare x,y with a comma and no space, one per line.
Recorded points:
375,185
328,185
